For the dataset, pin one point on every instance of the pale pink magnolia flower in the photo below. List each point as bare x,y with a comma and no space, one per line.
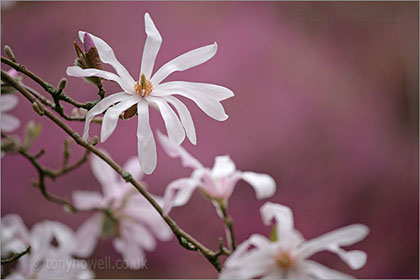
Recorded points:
52,246
131,220
216,183
9,123
287,257
150,91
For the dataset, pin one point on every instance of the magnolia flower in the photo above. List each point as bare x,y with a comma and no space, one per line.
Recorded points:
149,90
9,123
52,245
128,218
216,183
287,257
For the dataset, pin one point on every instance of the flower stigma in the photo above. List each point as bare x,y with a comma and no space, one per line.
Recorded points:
144,86
284,261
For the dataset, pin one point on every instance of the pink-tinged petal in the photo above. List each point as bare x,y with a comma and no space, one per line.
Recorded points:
133,255
155,222
88,42
184,62
216,92
185,116
174,150
87,236
320,271
109,122
140,235
263,184
76,71
14,235
87,199
174,127
208,105
104,173
333,240
145,140
231,183
102,106
132,166
178,193
151,47
8,102
106,54
223,167
9,123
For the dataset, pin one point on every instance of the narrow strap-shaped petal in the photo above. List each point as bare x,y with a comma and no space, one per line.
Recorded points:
151,47
105,175
320,271
133,255
333,240
102,106
87,199
132,166
174,127
210,106
146,145
76,71
87,236
184,62
9,123
185,117
109,122
223,167
141,236
178,193
174,150
106,54
213,91
8,102
263,184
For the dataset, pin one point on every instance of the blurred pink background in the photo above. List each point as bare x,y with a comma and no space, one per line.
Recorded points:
326,102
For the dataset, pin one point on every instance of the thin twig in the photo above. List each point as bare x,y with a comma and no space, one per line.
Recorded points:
185,239
15,256
228,221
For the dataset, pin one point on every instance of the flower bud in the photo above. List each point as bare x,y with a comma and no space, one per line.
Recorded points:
89,58
9,53
32,131
62,84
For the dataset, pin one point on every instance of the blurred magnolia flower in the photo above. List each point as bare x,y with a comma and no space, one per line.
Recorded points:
128,218
9,123
216,183
52,245
287,256
149,90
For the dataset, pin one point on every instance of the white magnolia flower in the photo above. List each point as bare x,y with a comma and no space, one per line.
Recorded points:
52,245
130,219
216,183
287,257
9,123
149,90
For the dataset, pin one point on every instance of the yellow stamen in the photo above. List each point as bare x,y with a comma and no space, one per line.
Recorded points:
144,86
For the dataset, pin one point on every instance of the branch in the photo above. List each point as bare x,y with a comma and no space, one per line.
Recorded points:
15,256
185,239
228,221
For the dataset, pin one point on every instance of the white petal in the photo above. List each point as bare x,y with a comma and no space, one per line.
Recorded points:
87,199
185,116
174,150
105,174
102,106
210,106
141,236
147,215
151,47
133,255
146,145
178,193
263,184
173,126
320,271
333,240
76,71
44,232
87,236
216,92
8,102
132,166
184,62
109,122
223,167
9,123
106,54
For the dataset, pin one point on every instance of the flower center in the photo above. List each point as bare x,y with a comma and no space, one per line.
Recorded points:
144,86
284,261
